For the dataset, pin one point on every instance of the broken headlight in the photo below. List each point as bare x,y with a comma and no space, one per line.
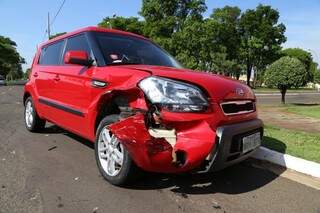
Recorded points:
174,95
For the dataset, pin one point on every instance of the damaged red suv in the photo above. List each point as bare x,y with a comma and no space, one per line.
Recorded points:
139,106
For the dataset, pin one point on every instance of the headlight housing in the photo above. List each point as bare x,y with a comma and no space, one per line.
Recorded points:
174,95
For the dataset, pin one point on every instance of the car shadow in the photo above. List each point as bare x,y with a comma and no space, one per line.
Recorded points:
238,179
274,144
241,178
305,104
54,129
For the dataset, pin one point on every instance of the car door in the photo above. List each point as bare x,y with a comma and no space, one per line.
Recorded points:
73,88
44,74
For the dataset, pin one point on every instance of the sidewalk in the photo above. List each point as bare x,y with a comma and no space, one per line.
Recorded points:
296,169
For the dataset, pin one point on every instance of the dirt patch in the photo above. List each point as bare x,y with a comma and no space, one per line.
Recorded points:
279,117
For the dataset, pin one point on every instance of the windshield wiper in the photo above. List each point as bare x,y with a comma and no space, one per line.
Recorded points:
122,63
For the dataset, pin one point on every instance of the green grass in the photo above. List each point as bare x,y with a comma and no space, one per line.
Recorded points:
266,90
308,111
296,143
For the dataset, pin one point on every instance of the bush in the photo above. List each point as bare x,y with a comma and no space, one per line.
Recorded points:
286,73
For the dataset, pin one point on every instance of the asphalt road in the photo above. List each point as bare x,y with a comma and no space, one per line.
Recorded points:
291,98
55,171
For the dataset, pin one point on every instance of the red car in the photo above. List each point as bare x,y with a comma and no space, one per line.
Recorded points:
139,106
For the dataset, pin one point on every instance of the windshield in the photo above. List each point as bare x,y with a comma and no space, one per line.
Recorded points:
122,49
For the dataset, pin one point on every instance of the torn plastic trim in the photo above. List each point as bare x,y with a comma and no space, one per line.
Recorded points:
169,136
212,155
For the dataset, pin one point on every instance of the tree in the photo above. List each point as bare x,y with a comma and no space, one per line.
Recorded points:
305,57
15,72
195,47
227,42
317,76
210,44
313,71
225,37
163,18
191,45
131,24
10,60
154,11
284,74
56,35
225,23
261,37
27,73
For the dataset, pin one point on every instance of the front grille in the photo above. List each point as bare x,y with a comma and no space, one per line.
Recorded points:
237,107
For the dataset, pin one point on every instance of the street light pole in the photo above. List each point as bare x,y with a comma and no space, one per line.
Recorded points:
48,30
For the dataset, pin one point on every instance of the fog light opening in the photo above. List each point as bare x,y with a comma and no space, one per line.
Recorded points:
181,158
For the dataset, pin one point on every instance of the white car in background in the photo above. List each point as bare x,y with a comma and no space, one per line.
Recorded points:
2,81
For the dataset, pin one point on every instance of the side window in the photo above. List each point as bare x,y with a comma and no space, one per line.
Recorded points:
78,43
50,55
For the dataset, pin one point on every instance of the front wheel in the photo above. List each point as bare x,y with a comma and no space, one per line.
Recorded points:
113,160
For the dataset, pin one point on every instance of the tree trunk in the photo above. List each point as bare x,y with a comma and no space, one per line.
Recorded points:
283,96
238,76
249,69
255,78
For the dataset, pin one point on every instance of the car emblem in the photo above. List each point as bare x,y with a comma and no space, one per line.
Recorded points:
239,92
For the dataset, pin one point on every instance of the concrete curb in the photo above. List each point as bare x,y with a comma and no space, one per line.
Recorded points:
288,94
288,161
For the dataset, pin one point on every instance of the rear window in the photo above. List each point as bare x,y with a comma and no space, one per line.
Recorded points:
50,55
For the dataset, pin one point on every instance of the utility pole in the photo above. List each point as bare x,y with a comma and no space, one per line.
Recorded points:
48,30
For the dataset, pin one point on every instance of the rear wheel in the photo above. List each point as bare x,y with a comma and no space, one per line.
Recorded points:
113,160
32,120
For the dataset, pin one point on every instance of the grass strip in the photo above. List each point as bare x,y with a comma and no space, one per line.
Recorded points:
300,144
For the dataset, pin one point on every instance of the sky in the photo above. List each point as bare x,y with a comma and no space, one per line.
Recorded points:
25,21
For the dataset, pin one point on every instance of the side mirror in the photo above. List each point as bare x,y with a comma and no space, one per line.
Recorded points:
77,57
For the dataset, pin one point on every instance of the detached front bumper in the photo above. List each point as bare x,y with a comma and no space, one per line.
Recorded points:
228,149
198,145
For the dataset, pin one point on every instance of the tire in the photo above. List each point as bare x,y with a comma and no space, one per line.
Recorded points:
32,120
124,173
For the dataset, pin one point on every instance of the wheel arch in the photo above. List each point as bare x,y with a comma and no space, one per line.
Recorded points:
105,106
123,102
25,96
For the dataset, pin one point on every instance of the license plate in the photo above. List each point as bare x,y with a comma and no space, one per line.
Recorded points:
251,142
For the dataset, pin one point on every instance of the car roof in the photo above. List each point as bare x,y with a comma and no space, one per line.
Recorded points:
89,29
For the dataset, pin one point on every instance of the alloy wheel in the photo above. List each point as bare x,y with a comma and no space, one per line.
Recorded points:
110,152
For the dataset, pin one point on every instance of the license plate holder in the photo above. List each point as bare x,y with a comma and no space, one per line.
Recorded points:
251,142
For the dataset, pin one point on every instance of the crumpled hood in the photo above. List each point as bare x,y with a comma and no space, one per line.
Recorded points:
218,87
